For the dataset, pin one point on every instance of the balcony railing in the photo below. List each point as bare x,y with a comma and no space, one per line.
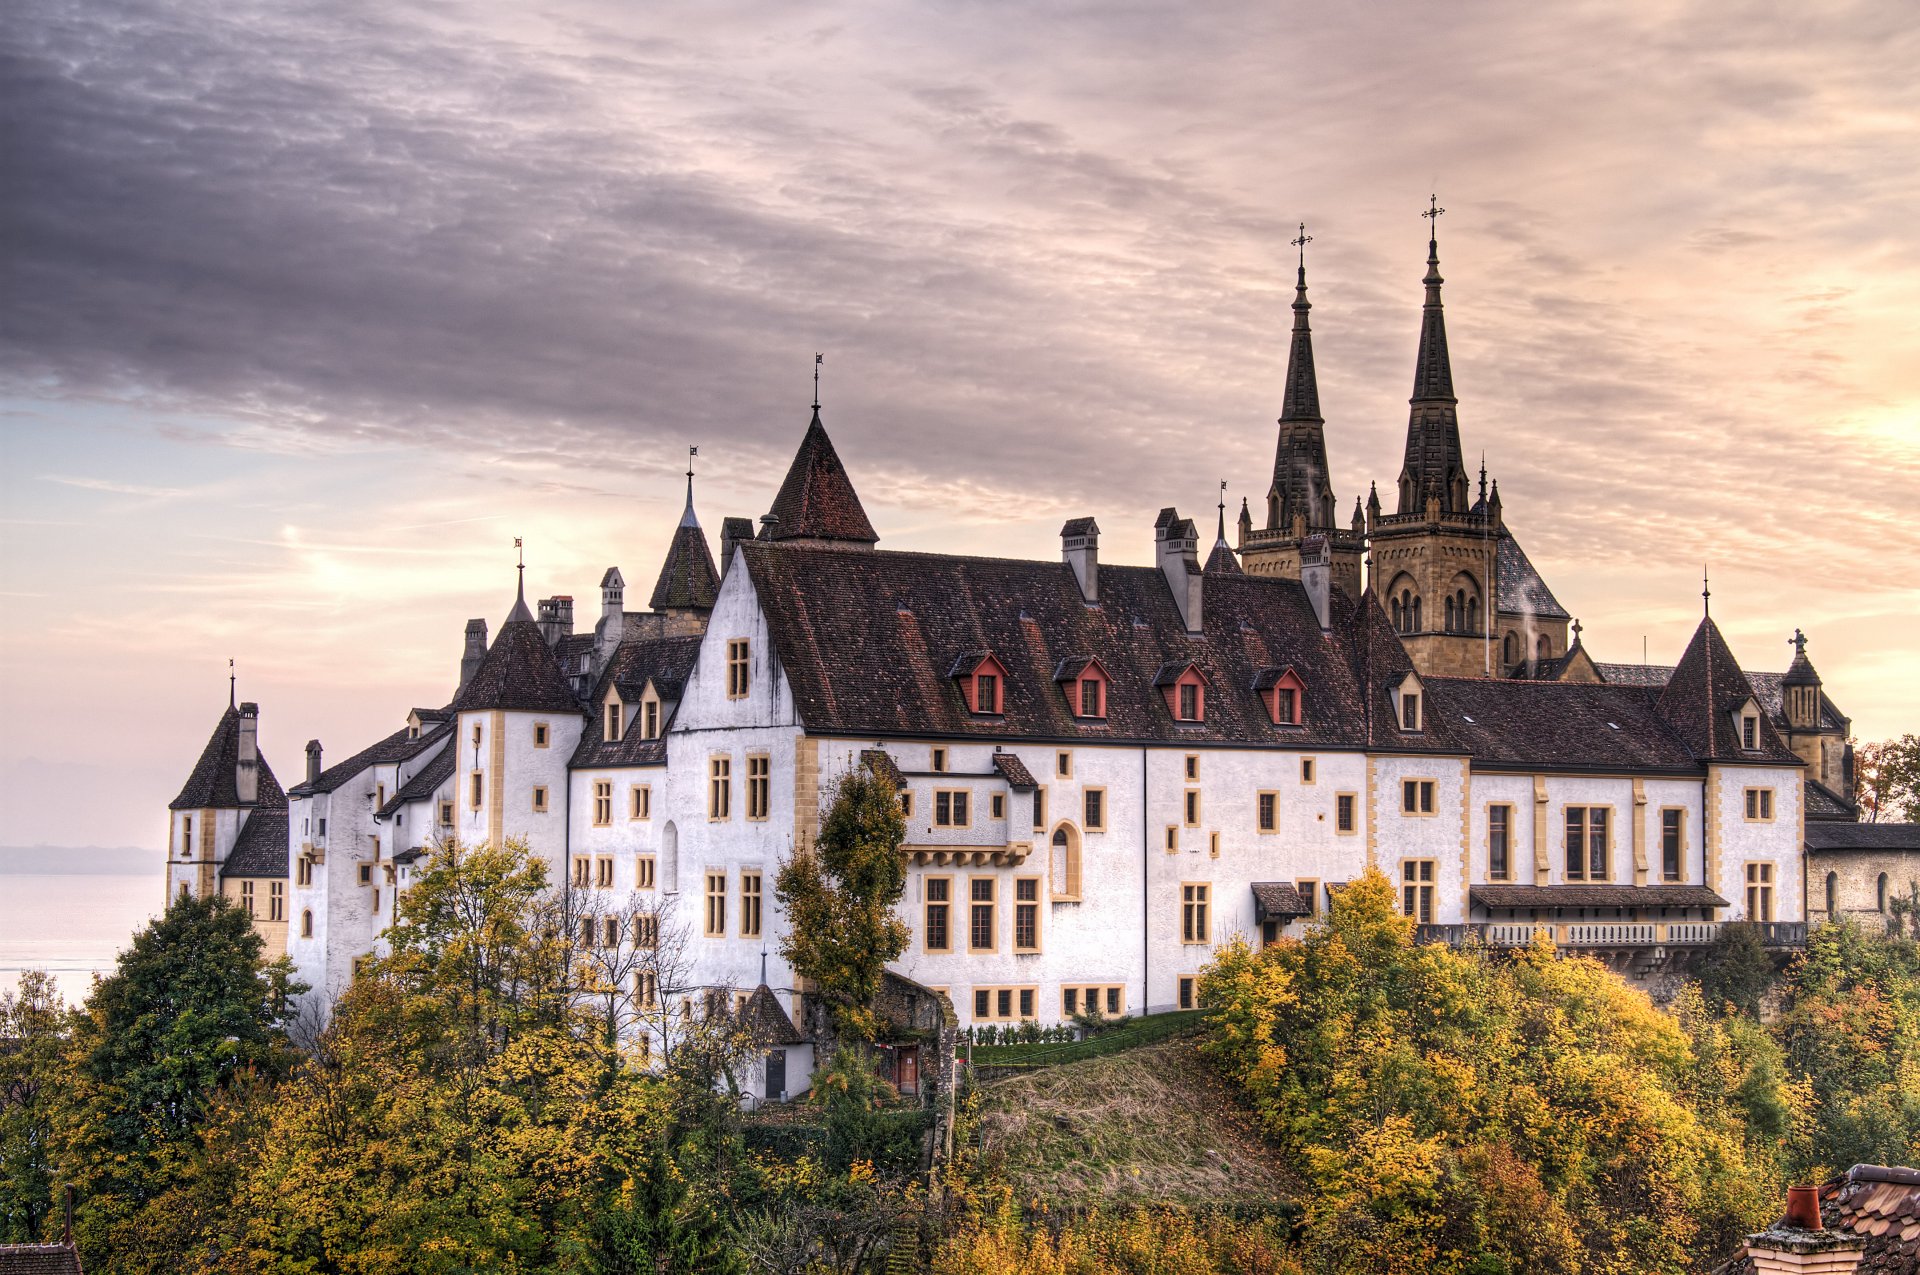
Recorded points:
1604,934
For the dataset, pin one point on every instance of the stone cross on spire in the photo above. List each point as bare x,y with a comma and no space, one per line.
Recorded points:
1798,642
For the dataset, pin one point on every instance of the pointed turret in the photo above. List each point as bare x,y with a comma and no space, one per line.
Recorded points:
1301,498
519,671
688,581
817,503
1221,560
1707,700
1433,469
231,773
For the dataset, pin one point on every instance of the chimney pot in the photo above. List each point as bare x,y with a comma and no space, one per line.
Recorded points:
313,760
246,770
1803,1207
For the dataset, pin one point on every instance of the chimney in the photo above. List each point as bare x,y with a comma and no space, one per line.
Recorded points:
476,651
732,532
313,760
556,618
1177,543
612,624
246,769
1080,549
1316,576
66,1229
769,525
1799,1242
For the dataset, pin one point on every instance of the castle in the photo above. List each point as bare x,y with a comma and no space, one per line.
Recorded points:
1106,771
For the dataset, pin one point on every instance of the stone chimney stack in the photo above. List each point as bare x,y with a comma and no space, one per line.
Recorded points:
1800,1244
476,651
1080,549
613,618
556,618
1177,543
1316,576
246,770
732,532
313,760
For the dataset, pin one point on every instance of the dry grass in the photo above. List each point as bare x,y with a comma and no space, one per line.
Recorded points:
1154,1125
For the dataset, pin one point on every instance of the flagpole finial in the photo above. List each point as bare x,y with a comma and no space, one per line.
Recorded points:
1706,593
232,683
818,358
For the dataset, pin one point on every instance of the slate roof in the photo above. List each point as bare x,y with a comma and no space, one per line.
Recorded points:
1279,900
1863,836
1823,803
766,1022
1015,772
1502,897
212,784
425,782
1517,586
817,500
1706,689
1766,689
1882,1205
1221,560
1584,725
881,763
397,747
687,578
39,1259
866,638
261,848
520,673
667,663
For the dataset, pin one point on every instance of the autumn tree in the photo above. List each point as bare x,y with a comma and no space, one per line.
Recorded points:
839,900
1887,779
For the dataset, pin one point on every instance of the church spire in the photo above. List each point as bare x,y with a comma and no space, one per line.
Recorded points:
1301,494
1433,466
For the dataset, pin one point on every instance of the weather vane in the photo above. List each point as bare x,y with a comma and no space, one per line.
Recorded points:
691,453
817,358
1301,243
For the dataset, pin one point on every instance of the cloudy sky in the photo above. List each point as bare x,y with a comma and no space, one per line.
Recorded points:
310,309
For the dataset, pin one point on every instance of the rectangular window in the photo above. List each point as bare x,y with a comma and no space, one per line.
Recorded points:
983,1002
1026,914
186,836
246,896
1499,842
1090,697
603,871
737,668
749,904
1069,1001
650,719
939,933
610,932
759,787
1309,895
1750,732
376,901
303,871
980,922
473,800
640,801
539,799
1189,702
582,872
1193,766
1587,843
1193,808
939,761
540,734
646,931
1759,892
1268,805
1284,700
1195,925
380,797
1093,803
1672,841
986,693
1759,805
366,874
1345,805
1004,1003
643,872
1416,796
906,805
446,814
719,788
602,802
1173,837
1410,712
646,990
999,805
1213,844
613,721
1063,765
950,809
1039,809
1416,890
1306,770
1186,992
716,905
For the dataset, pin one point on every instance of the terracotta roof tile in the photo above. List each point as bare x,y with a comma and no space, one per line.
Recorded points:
667,663
520,673
817,500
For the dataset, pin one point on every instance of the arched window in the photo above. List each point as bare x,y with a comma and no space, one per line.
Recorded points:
1510,648
1398,626
1064,867
1833,894
669,874
1543,649
1453,624
1880,892
306,923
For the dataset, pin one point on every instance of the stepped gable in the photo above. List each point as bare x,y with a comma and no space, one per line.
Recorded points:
425,782
1700,699
261,849
212,785
867,639
817,500
687,580
520,672
667,663
1579,725
397,747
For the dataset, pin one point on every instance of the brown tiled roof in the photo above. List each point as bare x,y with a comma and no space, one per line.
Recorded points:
1014,771
1568,724
261,848
1594,896
520,673
1766,689
1700,699
397,747
881,763
1383,664
866,639
1882,1205
667,663
213,785
817,500
766,1022
425,782
39,1259
1279,900
1221,560
1863,836
687,578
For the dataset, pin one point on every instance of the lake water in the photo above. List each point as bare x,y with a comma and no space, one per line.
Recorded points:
73,926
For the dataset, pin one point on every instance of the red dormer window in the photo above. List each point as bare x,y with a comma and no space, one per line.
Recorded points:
1084,682
983,680
1186,692
1285,699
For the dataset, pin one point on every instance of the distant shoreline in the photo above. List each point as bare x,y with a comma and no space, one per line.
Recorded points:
81,861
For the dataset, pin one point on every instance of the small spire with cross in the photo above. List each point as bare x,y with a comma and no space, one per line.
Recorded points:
1576,631
1433,214
1301,243
1798,642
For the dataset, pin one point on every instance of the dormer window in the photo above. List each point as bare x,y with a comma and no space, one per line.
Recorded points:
1409,708
1284,695
1084,682
1185,688
1749,731
986,693
614,721
983,681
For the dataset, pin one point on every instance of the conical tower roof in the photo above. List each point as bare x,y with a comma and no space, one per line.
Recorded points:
1300,483
214,783
519,672
1222,559
1705,691
688,580
1433,464
817,500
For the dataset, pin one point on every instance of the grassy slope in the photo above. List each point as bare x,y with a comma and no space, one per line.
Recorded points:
1150,1125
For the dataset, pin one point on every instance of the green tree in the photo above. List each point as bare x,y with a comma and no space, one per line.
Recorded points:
1736,969
33,1040
1887,779
839,900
